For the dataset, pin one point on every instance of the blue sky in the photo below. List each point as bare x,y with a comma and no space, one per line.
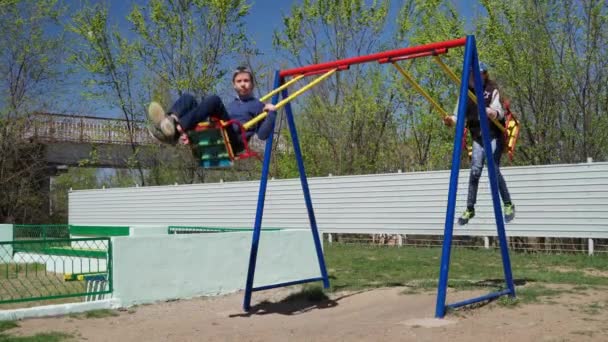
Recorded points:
264,18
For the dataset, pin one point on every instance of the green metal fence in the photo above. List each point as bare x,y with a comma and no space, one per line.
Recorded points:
198,230
40,231
38,270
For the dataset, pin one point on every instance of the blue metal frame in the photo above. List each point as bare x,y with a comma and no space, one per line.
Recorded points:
260,207
471,59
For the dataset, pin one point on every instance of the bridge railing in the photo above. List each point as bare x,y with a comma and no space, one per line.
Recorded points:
86,129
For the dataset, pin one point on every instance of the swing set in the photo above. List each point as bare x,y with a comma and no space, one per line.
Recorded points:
215,132
212,146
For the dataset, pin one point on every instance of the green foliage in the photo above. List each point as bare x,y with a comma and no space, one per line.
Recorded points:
7,325
183,43
30,55
549,57
309,293
110,61
429,142
346,124
99,313
323,30
41,337
31,59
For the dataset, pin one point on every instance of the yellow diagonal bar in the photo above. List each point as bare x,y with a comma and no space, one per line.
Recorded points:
297,93
455,78
417,86
287,84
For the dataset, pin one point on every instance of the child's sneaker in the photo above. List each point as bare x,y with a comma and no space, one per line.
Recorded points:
164,127
168,126
156,113
156,133
466,216
509,212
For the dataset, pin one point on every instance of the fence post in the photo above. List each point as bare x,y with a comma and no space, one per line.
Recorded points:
590,246
81,129
486,242
399,240
329,238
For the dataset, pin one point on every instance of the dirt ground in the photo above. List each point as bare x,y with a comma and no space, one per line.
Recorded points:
373,315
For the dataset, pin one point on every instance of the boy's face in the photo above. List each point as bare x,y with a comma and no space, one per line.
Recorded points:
242,84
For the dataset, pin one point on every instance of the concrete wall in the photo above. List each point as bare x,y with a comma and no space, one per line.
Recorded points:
6,234
155,268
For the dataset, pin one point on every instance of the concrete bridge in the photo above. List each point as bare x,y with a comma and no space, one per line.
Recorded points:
101,142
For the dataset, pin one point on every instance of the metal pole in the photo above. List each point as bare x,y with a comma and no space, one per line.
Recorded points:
451,207
257,227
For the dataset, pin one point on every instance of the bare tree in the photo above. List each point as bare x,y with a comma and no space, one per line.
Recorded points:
29,62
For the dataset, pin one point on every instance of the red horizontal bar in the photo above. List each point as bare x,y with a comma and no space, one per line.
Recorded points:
322,71
374,57
415,55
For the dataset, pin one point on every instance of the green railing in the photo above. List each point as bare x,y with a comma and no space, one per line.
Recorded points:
40,270
40,231
199,230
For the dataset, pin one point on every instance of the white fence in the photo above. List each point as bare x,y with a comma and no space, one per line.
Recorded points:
556,201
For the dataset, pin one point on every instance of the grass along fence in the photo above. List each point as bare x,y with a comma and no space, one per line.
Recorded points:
520,244
353,267
44,270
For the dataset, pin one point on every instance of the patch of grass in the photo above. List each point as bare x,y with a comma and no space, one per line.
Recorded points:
7,325
32,281
41,337
531,294
581,288
508,302
17,270
589,319
309,293
100,313
593,308
410,290
355,267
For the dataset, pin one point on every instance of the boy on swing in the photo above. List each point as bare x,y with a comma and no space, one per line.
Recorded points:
185,114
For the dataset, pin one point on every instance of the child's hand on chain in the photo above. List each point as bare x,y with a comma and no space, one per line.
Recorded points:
449,121
183,137
492,113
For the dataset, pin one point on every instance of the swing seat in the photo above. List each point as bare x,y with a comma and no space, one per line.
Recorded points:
511,130
511,134
211,144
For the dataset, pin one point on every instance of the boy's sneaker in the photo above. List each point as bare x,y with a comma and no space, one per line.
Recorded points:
156,113
169,127
164,127
156,133
509,212
466,216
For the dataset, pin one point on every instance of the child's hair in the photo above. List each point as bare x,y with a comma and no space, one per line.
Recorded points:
241,70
